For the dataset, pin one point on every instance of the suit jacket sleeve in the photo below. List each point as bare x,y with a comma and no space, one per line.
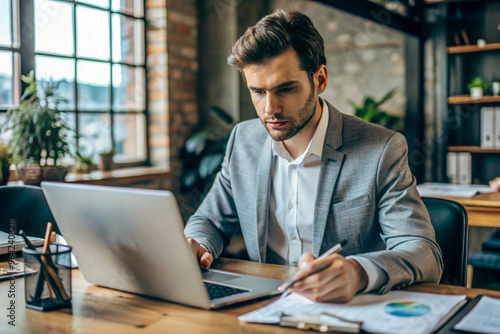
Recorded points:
215,221
411,253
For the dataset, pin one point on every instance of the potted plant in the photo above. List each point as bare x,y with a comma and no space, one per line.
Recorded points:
5,162
39,136
477,87
370,112
106,163
83,163
203,154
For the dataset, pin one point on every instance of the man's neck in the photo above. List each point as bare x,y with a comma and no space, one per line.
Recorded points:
298,143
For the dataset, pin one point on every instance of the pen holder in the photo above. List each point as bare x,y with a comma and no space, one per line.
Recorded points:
47,283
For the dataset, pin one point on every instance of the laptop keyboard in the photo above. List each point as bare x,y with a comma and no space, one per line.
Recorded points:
218,291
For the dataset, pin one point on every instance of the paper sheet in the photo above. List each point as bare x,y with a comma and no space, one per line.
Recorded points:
18,240
395,312
452,190
484,317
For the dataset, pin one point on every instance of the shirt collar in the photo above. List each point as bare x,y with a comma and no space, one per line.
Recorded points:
315,145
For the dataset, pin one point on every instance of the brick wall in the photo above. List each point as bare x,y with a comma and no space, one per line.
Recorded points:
172,74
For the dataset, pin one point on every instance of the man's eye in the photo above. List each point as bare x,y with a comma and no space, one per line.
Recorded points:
258,92
286,89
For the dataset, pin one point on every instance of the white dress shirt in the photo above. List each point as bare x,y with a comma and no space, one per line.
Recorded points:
293,197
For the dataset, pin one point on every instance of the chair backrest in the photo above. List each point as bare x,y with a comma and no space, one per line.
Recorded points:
450,222
27,206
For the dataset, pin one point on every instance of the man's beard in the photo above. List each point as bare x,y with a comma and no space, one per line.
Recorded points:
305,115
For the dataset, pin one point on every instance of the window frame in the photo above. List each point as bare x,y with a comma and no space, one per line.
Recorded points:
15,49
27,56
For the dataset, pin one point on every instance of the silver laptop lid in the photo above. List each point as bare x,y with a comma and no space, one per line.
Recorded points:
128,239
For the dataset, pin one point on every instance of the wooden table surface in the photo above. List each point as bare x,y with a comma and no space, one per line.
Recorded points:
482,209
101,310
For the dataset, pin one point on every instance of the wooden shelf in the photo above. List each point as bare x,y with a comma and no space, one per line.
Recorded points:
466,99
472,48
471,149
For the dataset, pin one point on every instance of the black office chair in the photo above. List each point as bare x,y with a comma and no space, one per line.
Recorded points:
450,222
486,264
27,206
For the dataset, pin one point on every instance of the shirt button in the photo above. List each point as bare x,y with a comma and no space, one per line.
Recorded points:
294,264
290,206
292,236
294,166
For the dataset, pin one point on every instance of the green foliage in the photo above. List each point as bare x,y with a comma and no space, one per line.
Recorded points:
370,112
478,82
83,163
203,154
5,153
5,162
110,151
38,131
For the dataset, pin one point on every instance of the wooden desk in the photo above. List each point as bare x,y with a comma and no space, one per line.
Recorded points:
482,209
100,310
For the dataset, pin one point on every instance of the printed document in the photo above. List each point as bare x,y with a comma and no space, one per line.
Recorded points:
395,312
484,317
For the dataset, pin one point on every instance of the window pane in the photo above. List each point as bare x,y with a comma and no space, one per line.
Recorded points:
5,23
69,120
128,88
94,81
6,80
99,3
128,41
54,27
132,7
92,33
5,136
95,133
130,137
58,70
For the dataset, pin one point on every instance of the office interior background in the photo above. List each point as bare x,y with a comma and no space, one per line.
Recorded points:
142,77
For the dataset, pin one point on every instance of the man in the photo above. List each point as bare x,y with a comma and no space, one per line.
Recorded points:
305,176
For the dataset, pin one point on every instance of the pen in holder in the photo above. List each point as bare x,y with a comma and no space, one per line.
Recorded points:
49,287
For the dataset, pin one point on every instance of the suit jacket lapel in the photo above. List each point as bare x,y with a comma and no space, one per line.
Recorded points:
331,164
264,175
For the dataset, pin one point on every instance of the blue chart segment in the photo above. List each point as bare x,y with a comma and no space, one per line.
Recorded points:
407,309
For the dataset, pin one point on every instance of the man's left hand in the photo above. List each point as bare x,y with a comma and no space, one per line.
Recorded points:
331,279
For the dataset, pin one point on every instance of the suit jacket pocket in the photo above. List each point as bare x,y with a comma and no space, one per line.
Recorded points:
351,203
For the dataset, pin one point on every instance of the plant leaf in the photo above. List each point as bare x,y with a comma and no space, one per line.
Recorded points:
221,114
196,143
210,164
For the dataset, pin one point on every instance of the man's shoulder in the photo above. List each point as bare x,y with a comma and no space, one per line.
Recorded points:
357,130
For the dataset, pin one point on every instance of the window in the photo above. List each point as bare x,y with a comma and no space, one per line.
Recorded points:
9,56
95,49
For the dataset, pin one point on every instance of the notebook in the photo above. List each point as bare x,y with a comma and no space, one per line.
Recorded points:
133,240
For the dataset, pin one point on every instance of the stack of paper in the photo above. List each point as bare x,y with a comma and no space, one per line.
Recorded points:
395,312
451,190
17,242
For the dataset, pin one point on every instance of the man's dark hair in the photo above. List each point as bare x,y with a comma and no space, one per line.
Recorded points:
277,33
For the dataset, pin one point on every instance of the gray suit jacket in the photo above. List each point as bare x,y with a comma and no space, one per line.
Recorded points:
366,194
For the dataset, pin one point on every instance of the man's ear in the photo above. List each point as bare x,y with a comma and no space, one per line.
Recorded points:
322,78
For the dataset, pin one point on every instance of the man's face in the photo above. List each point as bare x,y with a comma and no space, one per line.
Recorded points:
282,95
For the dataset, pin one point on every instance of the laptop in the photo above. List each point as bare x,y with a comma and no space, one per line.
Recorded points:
133,240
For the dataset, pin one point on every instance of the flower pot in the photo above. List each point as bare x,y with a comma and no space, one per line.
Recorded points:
106,163
33,175
476,93
4,172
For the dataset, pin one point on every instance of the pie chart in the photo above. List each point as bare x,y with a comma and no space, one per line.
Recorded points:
407,309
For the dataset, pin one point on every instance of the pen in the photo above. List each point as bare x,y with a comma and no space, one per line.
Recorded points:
335,249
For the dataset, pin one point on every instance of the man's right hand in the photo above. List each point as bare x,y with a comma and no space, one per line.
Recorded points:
201,253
